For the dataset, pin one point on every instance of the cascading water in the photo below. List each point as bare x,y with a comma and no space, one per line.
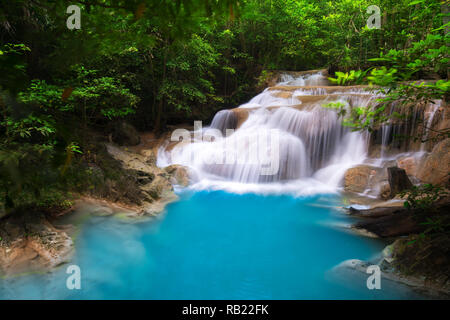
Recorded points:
429,122
314,79
223,120
396,136
289,142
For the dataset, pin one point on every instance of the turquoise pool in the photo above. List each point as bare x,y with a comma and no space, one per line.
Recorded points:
217,245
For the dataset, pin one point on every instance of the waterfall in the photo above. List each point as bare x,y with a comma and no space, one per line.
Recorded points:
223,120
434,107
385,136
397,136
287,141
315,79
318,128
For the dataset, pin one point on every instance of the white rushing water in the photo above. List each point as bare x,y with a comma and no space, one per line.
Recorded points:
429,121
289,143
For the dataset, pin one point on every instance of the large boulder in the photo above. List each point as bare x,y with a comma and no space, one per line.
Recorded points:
398,180
436,167
160,187
178,174
153,184
386,222
409,164
124,134
357,179
29,242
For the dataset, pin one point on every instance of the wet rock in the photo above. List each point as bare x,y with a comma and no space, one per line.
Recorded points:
396,221
424,257
154,184
375,212
390,223
30,242
144,178
385,191
178,174
436,166
375,151
283,94
432,287
356,179
398,180
158,188
150,156
241,115
409,164
125,134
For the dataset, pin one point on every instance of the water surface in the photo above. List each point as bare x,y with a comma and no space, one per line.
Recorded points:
217,245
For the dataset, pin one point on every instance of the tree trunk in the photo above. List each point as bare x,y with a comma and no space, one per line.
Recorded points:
445,19
5,117
84,115
398,180
161,101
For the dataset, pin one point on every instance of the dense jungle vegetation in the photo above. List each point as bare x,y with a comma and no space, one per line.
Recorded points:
160,62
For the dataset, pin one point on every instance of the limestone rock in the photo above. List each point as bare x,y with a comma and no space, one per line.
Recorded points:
283,94
179,174
29,243
393,224
150,157
144,178
409,164
374,151
385,191
436,167
356,179
156,189
241,115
